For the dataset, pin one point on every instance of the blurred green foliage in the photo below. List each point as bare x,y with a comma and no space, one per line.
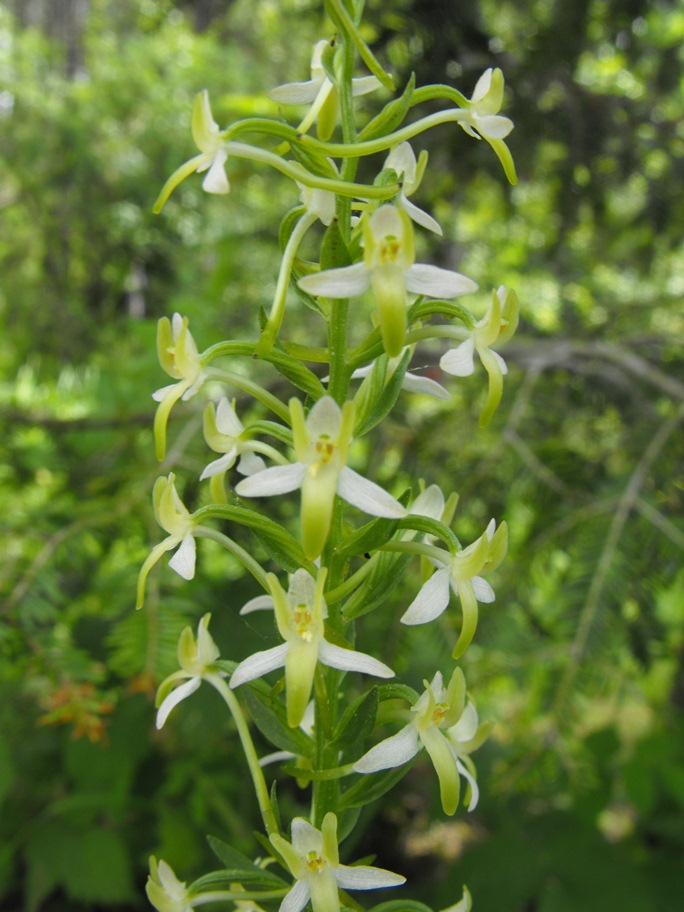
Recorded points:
580,658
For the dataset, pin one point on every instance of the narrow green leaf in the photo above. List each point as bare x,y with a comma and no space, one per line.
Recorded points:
368,538
358,721
270,717
373,786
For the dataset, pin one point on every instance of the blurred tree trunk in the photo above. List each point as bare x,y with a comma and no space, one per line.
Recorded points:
61,20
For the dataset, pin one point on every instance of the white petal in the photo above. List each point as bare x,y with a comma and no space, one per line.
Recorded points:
493,126
176,696
429,502
414,383
183,561
260,603
297,898
362,85
227,461
500,361
367,496
430,601
216,180
466,727
227,421
422,278
459,361
324,419
420,217
365,877
276,757
296,92
350,660
344,282
483,591
391,752
259,664
250,463
274,480
482,86
474,790
160,394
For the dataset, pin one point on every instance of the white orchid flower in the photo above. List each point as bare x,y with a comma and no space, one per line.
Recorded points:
224,432
389,268
174,517
321,442
300,615
410,172
178,356
197,658
164,890
314,860
460,574
320,93
497,326
446,725
483,121
212,157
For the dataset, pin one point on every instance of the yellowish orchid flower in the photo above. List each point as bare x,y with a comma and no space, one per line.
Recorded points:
313,858
212,157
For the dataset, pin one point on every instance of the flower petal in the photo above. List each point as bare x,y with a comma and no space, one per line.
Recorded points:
391,752
183,561
297,898
274,480
216,180
362,85
350,660
422,278
365,877
296,92
444,762
414,383
250,463
260,603
459,361
227,461
344,282
420,217
431,600
258,665
175,697
367,496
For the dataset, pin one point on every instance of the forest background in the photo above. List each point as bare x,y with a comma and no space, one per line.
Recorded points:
580,659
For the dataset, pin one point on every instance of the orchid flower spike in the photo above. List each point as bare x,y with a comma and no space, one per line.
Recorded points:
321,442
497,326
483,121
459,572
300,615
447,726
212,157
389,268
197,658
402,160
178,356
313,858
174,517
320,93
164,890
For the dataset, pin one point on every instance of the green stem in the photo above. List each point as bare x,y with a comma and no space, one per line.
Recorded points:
246,559
254,389
406,547
260,788
275,318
